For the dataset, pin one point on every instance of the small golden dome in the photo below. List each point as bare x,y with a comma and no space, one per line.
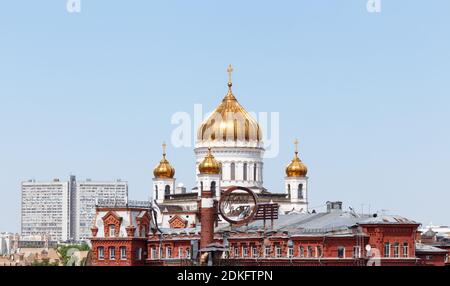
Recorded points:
296,168
210,165
229,121
164,170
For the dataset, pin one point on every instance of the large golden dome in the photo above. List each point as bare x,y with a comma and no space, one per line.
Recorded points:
210,165
164,170
296,168
229,121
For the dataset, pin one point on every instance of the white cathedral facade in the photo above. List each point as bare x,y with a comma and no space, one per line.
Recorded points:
231,137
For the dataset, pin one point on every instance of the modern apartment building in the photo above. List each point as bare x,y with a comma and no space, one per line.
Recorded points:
46,209
88,193
64,210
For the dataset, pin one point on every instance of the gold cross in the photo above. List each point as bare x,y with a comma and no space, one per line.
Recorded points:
164,146
296,145
230,71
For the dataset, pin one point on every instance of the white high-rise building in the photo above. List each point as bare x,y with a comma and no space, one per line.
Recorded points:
88,193
65,210
46,209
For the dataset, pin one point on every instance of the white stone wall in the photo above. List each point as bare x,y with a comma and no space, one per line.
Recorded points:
159,185
293,182
207,179
239,155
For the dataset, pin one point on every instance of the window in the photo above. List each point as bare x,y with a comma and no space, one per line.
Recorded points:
341,252
289,188
156,192
236,251
139,254
112,230
143,232
245,171
266,251
180,252
188,253
319,251
405,249
301,251
201,186
168,252
254,172
300,191
356,252
396,249
213,187
153,253
167,190
233,171
310,251
290,252
254,251
387,249
244,251
101,253
123,253
278,251
112,253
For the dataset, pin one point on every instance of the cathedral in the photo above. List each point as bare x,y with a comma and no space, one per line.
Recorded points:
230,218
230,147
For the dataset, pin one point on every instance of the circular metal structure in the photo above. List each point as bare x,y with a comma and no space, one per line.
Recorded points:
238,205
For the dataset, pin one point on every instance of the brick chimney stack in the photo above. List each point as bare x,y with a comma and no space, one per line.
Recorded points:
207,220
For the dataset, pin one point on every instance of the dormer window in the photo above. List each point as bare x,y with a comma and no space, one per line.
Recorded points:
112,230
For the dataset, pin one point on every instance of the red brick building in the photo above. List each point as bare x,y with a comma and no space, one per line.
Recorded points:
119,235
334,237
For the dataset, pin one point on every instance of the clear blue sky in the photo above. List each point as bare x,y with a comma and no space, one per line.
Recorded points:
367,94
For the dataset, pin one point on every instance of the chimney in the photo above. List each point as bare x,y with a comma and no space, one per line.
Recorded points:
334,207
207,218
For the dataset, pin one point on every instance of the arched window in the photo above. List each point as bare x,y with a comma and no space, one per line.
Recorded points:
300,191
233,171
213,187
254,172
201,186
156,192
167,190
289,187
245,171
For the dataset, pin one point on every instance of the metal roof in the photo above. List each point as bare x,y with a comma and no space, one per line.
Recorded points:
420,247
331,223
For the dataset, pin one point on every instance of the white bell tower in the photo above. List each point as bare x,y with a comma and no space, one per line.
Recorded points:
296,184
163,181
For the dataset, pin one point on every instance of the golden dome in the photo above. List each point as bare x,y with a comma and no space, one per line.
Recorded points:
164,170
296,168
210,165
229,121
